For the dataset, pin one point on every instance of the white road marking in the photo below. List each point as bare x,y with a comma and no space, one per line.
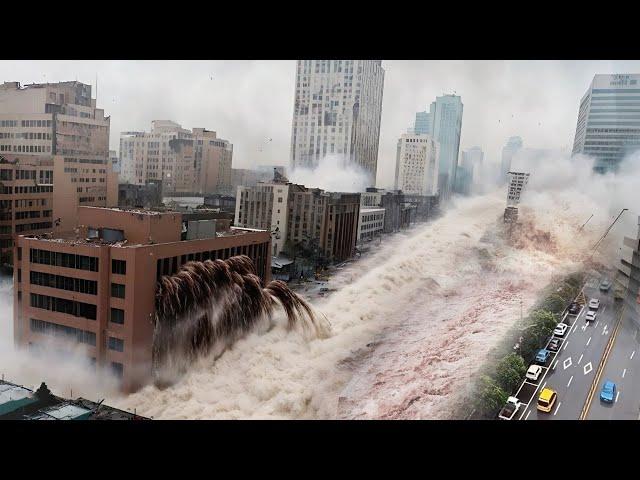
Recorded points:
617,395
632,354
554,365
575,326
570,381
587,368
565,345
545,384
597,322
588,341
567,363
604,330
580,359
528,415
623,372
558,407
603,309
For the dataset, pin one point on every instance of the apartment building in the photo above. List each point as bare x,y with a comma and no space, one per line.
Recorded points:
371,223
186,161
95,287
417,164
59,124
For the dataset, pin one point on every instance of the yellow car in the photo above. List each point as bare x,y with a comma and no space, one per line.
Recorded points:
546,400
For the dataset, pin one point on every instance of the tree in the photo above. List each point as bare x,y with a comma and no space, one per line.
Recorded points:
554,303
491,397
510,372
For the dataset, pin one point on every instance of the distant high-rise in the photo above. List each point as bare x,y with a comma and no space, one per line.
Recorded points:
609,120
468,170
417,165
508,152
337,110
423,123
444,124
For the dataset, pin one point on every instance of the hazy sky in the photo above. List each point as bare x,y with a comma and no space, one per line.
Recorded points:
248,102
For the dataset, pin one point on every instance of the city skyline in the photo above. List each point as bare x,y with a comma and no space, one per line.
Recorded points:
537,100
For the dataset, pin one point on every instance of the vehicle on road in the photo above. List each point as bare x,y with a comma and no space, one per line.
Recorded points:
554,345
510,409
594,304
534,372
605,285
608,392
590,316
543,355
574,308
560,329
547,399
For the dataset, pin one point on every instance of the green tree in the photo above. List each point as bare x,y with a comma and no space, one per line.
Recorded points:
510,372
491,398
545,319
554,303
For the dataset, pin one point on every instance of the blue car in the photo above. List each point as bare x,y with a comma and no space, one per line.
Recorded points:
608,392
543,355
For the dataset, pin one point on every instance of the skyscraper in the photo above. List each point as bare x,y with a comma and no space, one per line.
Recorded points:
337,109
444,123
508,152
417,165
609,120
468,170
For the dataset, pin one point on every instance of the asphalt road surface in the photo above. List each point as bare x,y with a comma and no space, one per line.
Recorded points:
572,371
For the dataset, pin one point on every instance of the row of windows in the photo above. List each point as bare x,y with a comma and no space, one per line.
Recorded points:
26,148
26,227
67,260
62,305
68,333
64,283
26,135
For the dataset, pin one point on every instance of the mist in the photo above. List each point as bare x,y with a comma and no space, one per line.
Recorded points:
333,174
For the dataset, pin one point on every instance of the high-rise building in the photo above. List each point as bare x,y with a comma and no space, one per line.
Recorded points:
186,161
423,123
337,110
96,287
55,143
444,123
627,281
470,165
514,144
417,165
114,160
608,125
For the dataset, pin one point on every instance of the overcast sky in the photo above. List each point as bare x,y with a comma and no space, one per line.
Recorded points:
248,102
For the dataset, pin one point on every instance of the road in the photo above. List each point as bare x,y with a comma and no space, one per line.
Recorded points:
623,368
572,371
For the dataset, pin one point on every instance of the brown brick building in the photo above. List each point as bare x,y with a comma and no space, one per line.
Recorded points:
96,287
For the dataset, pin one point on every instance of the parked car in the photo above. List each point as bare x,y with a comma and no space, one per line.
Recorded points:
608,392
560,329
554,344
590,316
534,372
594,304
574,308
510,409
543,355
605,285
547,399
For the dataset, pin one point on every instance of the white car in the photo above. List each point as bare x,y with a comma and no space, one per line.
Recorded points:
590,316
560,329
594,304
534,372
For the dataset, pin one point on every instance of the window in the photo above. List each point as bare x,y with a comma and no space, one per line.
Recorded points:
117,369
117,290
119,267
117,316
116,344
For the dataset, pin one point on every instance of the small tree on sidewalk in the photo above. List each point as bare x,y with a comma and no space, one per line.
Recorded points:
510,372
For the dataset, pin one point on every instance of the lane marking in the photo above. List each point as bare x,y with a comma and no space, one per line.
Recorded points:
557,408
604,330
565,345
597,322
575,326
588,341
567,363
554,365
580,359
528,415
587,368
570,381
617,395
545,384
623,372
603,309
632,354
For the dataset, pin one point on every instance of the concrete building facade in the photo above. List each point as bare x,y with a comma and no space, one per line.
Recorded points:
95,288
608,126
337,111
371,223
186,161
628,276
417,165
